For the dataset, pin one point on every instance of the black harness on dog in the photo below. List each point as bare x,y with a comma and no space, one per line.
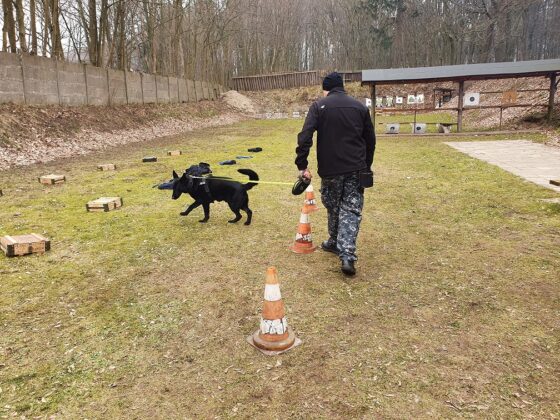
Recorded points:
197,175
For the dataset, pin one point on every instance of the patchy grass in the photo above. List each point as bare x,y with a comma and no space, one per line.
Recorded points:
141,313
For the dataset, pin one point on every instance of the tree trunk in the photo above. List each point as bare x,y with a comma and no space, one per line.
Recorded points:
33,22
20,25
9,24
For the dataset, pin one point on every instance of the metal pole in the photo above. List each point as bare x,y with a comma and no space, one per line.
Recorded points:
415,111
552,91
373,105
460,106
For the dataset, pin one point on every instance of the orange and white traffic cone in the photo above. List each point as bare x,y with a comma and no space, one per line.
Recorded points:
310,201
304,242
274,335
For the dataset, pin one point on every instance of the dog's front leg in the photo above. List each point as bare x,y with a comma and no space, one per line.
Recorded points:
206,207
190,208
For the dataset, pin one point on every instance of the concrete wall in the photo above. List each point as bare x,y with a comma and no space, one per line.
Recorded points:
205,92
134,88
27,79
40,80
11,79
149,88
183,93
191,91
162,89
71,83
97,89
198,89
173,90
117,87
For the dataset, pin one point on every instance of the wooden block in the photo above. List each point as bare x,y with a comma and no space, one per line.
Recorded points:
52,179
104,204
33,243
107,167
174,153
555,182
149,159
1,193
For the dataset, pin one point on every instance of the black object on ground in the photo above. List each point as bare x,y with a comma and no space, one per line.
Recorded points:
228,162
149,159
244,157
255,149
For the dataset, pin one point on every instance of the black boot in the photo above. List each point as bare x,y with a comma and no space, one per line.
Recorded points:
329,248
347,267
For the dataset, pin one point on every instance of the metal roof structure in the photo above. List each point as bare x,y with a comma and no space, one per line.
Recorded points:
462,72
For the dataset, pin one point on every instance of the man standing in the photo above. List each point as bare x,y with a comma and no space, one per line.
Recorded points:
345,148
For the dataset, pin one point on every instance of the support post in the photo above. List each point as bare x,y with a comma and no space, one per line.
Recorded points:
460,106
86,82
415,112
501,115
57,81
20,57
373,106
552,94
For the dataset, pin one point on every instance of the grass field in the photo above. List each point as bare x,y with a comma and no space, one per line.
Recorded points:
140,313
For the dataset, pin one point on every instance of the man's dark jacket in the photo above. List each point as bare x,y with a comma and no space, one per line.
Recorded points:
345,136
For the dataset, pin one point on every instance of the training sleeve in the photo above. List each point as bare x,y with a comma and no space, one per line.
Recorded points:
369,138
305,137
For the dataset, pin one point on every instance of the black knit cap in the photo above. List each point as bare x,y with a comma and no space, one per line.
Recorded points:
332,81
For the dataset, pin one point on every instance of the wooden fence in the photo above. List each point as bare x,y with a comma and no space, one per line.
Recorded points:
287,80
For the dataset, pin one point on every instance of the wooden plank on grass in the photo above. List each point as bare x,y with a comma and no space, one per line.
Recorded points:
106,167
33,243
52,179
149,159
104,204
174,153
555,182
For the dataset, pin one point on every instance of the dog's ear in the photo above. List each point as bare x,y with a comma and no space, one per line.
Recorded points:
175,176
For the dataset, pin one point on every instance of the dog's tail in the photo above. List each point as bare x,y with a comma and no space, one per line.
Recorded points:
252,177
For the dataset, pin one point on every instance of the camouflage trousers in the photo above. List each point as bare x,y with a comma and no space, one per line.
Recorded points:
343,197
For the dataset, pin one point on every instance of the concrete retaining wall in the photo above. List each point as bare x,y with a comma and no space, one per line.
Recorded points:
183,94
191,91
162,86
149,88
134,88
173,90
117,87
40,80
71,83
11,79
27,79
198,90
97,89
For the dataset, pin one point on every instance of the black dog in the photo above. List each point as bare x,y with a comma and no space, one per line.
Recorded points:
198,182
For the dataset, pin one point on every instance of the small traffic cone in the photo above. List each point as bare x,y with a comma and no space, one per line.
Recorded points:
304,242
310,201
274,335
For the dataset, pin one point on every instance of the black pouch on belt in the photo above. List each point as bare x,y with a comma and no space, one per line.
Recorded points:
366,179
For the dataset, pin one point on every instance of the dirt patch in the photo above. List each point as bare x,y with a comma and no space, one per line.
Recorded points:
240,102
41,134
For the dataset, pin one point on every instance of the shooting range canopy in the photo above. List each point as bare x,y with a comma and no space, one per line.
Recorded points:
483,71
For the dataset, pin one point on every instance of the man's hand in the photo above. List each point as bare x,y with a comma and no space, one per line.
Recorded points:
305,174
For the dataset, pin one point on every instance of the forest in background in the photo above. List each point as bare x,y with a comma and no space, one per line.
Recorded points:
217,39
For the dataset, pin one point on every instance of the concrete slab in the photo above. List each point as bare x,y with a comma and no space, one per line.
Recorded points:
534,162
